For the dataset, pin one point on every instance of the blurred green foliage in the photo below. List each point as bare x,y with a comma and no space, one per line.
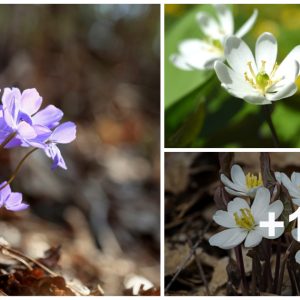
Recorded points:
199,113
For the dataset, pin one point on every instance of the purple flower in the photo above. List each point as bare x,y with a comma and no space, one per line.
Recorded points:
63,134
11,201
20,115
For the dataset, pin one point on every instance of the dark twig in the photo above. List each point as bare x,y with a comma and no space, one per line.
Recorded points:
200,268
188,257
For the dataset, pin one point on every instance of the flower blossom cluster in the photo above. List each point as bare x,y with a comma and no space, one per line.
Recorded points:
24,124
253,206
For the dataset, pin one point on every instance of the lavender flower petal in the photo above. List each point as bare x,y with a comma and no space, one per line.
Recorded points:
30,101
49,116
64,133
14,202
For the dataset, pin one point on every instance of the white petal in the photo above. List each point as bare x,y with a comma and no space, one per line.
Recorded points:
286,91
260,204
247,25
230,184
198,54
238,176
228,238
209,25
276,207
285,66
295,178
232,80
297,257
292,189
257,99
224,219
238,55
295,235
296,201
236,205
180,62
264,231
225,18
266,51
235,193
253,238
278,176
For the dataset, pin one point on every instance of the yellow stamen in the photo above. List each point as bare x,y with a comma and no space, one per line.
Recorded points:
245,220
274,69
261,81
251,69
253,181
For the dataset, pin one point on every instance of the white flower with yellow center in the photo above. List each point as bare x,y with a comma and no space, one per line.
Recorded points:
243,221
201,54
292,185
258,80
241,184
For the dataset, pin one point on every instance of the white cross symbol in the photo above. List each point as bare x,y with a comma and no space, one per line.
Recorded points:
271,224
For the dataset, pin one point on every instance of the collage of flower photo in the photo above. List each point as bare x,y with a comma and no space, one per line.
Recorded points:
232,213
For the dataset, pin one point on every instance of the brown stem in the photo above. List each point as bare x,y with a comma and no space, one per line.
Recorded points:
240,262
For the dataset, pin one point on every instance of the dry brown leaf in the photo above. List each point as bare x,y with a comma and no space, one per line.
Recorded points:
219,277
175,255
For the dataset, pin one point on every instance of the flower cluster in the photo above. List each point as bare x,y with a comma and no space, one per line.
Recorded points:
244,215
23,124
257,79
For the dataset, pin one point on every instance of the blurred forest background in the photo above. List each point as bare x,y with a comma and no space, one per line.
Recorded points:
101,65
198,112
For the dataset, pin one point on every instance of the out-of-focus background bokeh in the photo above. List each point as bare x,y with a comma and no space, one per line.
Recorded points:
101,65
198,118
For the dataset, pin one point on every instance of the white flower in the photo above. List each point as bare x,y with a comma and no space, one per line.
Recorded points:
258,81
243,221
201,54
241,184
292,185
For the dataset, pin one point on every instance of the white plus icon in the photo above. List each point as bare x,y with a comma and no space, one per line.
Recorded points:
271,224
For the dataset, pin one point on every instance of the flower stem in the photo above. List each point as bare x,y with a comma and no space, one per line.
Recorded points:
277,266
267,113
240,261
282,267
17,169
7,140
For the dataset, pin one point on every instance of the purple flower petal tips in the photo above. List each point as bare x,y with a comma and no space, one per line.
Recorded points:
11,201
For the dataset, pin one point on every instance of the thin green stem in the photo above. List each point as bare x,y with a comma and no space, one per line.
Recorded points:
17,169
267,113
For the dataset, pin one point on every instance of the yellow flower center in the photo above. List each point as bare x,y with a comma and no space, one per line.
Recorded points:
253,181
261,81
245,220
217,44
